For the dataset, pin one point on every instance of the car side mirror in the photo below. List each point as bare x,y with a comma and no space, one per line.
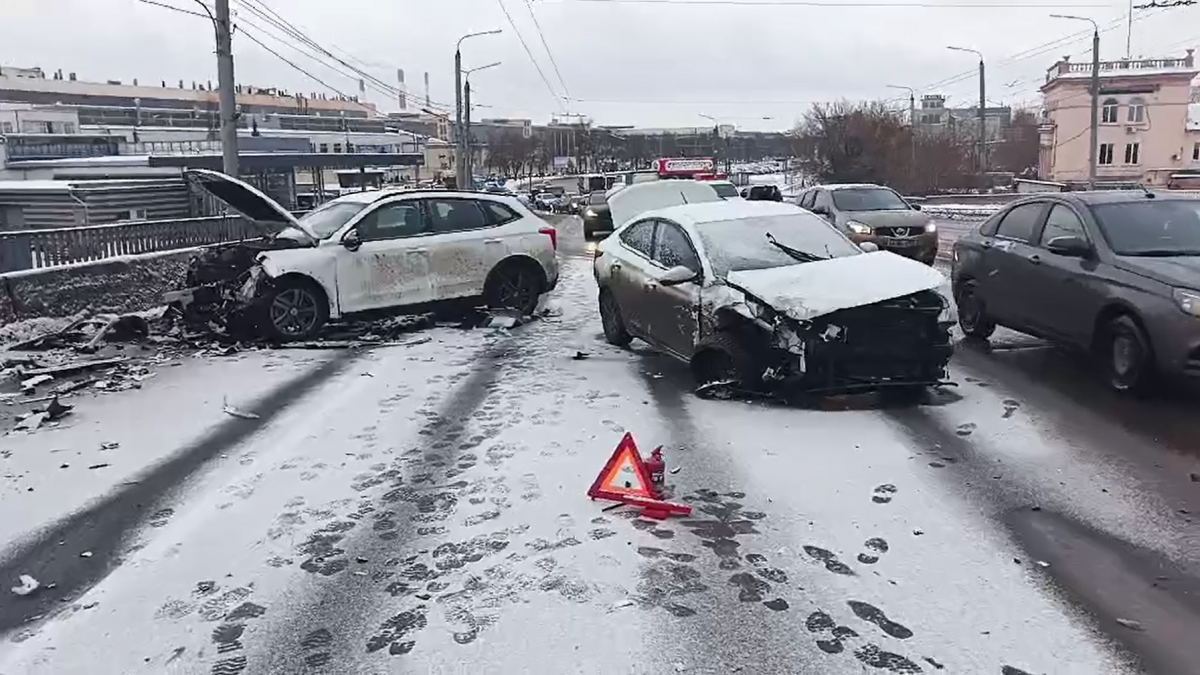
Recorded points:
352,241
869,247
916,207
1070,246
678,275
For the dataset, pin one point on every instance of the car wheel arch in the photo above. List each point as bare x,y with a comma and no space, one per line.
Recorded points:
1108,314
526,261
311,281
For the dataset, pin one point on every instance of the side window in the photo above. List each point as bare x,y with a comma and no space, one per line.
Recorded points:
807,199
454,215
824,200
1020,222
498,214
391,221
1062,222
640,237
672,248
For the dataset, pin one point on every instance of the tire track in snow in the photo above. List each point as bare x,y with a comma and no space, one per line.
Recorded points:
1074,557
103,530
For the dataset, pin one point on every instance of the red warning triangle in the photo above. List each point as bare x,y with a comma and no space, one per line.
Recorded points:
624,475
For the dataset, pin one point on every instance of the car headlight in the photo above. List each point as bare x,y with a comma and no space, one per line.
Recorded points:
589,213
1188,301
858,228
930,228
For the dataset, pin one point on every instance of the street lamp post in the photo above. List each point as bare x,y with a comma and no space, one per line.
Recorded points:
460,144
717,128
466,127
1095,86
912,131
982,110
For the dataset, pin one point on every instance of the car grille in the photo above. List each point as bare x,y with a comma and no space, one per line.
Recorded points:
903,232
895,330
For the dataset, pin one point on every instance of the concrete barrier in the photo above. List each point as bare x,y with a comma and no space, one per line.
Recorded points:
115,285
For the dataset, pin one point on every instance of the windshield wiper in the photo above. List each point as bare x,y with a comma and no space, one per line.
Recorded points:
802,256
1165,252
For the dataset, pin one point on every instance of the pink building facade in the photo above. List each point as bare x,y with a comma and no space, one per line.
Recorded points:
1144,134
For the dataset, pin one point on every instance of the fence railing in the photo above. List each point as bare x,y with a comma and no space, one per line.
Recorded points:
35,249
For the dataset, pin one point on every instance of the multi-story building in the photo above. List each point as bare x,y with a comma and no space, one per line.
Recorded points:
933,117
1143,132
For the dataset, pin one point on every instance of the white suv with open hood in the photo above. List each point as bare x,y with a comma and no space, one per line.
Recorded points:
374,250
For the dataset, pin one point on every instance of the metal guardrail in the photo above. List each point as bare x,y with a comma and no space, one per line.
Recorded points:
37,249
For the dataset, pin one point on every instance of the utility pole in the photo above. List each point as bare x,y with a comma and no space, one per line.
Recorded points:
1095,91
467,139
460,142
226,84
982,160
1095,135
983,164
458,117
912,131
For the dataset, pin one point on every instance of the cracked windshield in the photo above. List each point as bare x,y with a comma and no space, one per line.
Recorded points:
602,337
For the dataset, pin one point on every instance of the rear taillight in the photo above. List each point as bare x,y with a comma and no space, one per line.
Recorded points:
552,233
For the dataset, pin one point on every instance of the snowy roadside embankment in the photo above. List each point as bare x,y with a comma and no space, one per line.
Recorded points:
961,211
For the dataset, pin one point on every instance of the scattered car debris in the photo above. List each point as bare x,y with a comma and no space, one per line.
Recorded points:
91,605
621,604
241,414
99,466
110,445
1130,624
31,384
580,356
27,586
1194,477
30,421
85,554
72,367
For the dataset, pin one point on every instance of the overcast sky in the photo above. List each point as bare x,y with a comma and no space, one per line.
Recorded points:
622,62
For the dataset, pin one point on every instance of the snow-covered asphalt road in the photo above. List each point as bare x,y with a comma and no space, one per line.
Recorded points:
421,509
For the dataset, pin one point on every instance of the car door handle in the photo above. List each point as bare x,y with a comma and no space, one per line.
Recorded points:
615,266
494,240
650,286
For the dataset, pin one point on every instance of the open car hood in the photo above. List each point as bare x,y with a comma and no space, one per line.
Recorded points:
805,291
250,202
631,201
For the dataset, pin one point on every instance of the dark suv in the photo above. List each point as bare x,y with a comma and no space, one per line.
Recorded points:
875,214
1115,273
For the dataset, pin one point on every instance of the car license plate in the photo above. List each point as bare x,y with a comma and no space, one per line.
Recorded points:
900,242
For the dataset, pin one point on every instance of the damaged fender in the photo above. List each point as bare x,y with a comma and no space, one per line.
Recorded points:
310,263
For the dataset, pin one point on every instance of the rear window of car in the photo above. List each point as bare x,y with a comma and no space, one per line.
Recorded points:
597,199
725,190
1020,222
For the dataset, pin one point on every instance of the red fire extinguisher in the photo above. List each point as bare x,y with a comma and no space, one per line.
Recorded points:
657,467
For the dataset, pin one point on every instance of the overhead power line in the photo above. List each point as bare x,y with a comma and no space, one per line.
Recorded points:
176,9
550,54
272,17
529,52
1173,3
250,36
850,3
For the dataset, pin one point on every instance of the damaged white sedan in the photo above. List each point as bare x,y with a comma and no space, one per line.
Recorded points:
768,297
377,251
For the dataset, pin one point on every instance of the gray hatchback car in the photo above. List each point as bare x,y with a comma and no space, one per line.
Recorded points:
1114,273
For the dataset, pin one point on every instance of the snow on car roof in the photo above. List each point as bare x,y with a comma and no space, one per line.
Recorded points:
375,195
724,210
850,186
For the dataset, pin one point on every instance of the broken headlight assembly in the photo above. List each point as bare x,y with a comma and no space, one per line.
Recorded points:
761,310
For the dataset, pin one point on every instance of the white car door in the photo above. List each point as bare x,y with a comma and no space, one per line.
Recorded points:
464,245
385,262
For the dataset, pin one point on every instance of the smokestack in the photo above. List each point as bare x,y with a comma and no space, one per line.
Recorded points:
428,101
403,89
